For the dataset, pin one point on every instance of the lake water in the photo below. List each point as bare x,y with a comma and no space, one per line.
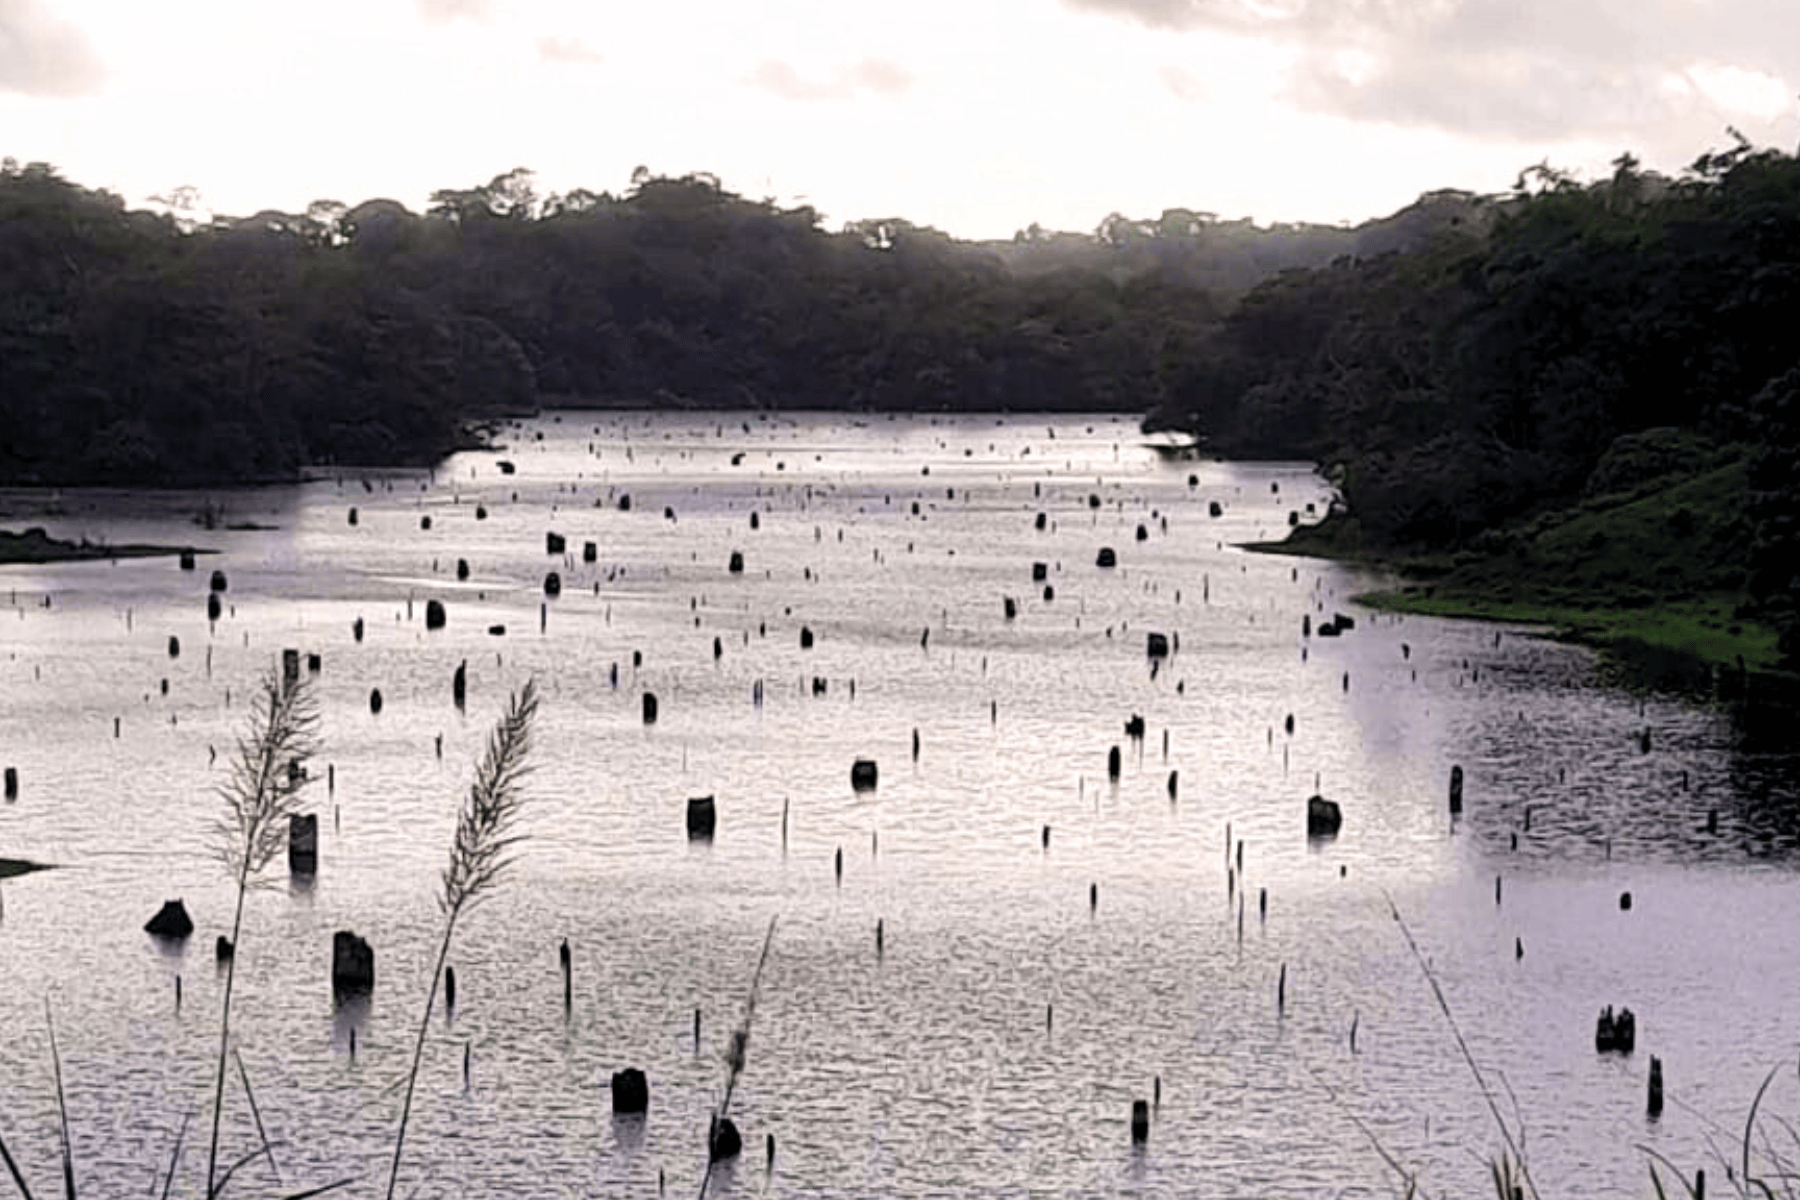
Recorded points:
929,1070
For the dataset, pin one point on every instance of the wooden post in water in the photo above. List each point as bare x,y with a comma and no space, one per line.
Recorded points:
1656,1086
1281,992
567,973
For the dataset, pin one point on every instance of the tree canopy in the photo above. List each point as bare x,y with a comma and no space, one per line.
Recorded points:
1516,366
177,347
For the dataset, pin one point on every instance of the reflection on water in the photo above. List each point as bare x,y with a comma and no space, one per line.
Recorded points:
997,1041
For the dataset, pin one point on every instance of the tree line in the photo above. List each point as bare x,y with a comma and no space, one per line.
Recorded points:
1583,338
161,347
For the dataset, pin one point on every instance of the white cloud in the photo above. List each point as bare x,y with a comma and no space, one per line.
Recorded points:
1538,69
568,51
1738,90
869,76
42,54
978,117
443,11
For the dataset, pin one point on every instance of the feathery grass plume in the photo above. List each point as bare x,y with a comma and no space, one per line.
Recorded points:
479,857
737,1054
261,791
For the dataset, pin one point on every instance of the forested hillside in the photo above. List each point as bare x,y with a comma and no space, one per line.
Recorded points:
1593,346
140,347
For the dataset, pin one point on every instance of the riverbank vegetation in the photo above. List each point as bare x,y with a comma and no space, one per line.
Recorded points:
172,347
1582,410
36,546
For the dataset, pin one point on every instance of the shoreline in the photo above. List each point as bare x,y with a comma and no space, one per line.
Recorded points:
34,547
1679,641
12,868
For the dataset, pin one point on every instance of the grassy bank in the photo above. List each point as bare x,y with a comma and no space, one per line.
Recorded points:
1656,568
36,546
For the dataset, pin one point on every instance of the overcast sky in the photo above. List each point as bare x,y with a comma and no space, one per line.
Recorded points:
977,116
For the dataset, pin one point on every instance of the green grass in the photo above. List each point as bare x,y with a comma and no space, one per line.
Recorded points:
1658,569
1702,627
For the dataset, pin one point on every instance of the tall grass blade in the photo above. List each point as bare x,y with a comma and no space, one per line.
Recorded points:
1487,1093
256,1113
1750,1125
737,1052
479,858
1394,1164
12,1168
1656,1180
231,1170
175,1155
320,1191
62,1108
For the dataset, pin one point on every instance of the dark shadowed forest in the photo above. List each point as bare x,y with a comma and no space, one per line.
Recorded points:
1480,375
140,347
1591,397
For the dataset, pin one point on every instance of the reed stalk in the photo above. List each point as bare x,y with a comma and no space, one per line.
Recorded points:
261,791
480,856
737,1054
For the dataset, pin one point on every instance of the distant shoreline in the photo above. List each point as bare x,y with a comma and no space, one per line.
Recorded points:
13,867
35,547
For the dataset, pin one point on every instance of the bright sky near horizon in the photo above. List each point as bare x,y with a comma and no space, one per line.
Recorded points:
976,116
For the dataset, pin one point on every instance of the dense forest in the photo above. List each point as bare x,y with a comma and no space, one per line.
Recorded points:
1591,347
157,347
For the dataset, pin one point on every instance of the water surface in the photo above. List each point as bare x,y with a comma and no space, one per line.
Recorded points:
930,1070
